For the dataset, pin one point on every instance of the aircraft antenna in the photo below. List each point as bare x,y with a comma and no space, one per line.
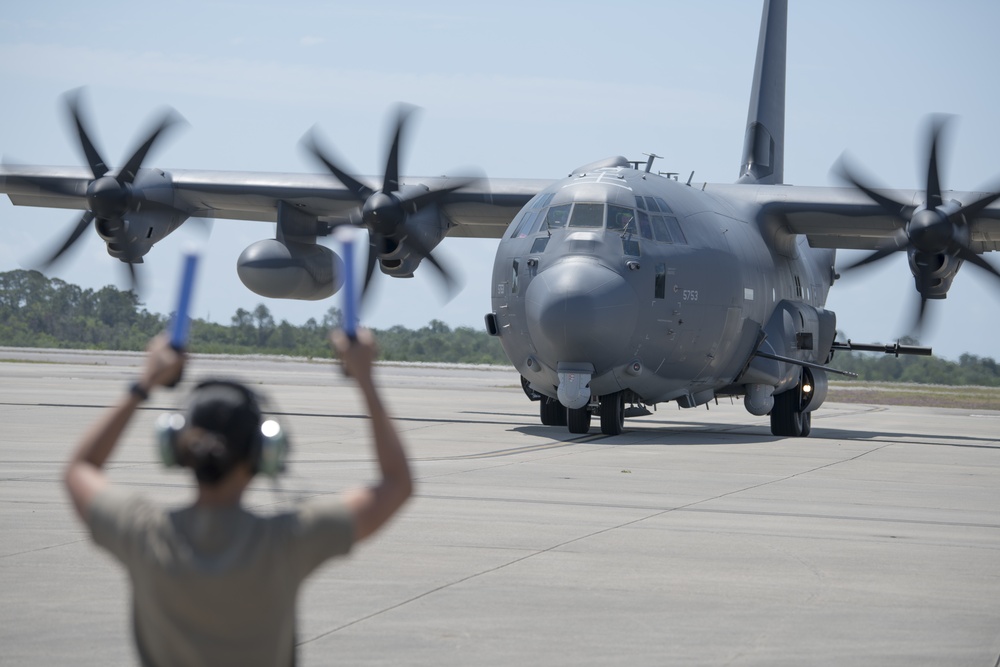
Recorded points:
649,162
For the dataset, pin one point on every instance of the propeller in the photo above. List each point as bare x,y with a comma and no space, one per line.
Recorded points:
110,195
931,230
384,212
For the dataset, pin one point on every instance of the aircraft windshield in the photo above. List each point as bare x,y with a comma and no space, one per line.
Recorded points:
587,215
651,220
557,216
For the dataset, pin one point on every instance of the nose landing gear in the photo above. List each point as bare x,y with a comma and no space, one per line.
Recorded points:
610,408
613,413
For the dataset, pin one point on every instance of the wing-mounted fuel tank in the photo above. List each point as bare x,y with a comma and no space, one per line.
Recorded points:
292,265
796,331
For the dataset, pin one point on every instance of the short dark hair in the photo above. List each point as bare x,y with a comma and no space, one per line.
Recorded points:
230,411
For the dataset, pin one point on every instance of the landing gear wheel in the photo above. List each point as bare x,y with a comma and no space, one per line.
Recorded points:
787,418
552,412
613,413
578,420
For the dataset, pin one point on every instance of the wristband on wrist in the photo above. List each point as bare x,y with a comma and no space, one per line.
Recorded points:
137,390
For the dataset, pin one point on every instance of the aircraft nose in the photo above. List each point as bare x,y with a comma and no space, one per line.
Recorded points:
580,310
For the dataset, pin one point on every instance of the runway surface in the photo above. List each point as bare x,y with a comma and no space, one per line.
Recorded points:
696,538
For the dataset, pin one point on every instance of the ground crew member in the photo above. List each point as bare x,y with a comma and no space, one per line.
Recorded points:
212,583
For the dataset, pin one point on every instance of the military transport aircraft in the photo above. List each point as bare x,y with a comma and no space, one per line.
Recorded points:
614,289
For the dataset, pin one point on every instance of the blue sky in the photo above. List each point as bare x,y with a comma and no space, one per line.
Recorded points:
517,90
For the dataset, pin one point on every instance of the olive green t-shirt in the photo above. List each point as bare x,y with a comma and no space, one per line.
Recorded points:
217,586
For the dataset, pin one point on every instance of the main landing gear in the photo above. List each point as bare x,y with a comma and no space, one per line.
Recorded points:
611,409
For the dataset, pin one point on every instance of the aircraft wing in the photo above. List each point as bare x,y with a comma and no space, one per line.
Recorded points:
482,209
847,218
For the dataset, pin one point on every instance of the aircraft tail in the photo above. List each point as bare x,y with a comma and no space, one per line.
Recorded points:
764,145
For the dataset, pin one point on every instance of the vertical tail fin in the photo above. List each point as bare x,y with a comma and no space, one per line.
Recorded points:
764,145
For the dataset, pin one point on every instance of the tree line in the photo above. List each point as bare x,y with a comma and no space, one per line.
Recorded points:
36,311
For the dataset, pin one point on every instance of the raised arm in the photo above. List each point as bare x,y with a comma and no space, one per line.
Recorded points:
84,476
372,506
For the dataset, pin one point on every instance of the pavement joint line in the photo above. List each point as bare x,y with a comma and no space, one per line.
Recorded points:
579,538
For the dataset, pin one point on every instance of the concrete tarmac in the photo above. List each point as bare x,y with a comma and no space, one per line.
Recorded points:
696,538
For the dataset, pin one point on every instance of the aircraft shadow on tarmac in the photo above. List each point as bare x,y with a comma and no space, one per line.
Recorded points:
697,433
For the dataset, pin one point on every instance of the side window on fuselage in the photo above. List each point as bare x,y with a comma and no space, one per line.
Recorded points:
523,227
645,228
659,224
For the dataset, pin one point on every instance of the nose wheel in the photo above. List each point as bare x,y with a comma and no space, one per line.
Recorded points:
551,412
613,413
578,420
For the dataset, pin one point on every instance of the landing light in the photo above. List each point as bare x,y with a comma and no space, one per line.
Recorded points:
807,388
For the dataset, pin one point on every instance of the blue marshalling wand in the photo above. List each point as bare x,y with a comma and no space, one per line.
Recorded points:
350,324
181,325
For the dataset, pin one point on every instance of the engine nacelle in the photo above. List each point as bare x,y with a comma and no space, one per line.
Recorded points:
290,270
939,270
428,226
142,230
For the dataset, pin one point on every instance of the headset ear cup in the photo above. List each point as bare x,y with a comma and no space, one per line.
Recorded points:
273,449
168,427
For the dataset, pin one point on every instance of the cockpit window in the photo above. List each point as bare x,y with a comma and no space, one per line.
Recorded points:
660,231
522,228
556,216
645,229
659,224
544,200
587,215
619,218
663,205
675,229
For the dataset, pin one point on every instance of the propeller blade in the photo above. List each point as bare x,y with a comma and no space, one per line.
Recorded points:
900,242
98,167
360,191
921,313
121,238
970,256
81,226
127,173
890,206
977,207
419,201
203,224
922,287
933,190
390,182
417,246
370,262
873,257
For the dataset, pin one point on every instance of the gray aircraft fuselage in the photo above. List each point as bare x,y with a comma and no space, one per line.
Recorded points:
619,280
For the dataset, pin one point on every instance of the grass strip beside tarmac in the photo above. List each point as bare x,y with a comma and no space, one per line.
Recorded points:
919,395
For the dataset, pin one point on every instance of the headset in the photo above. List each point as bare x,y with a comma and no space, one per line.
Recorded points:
267,450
